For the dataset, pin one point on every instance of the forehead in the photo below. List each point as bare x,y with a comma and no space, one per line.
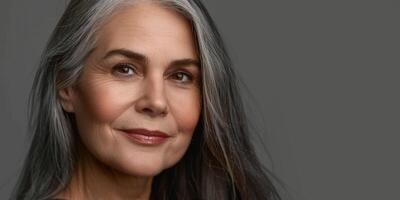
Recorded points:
146,25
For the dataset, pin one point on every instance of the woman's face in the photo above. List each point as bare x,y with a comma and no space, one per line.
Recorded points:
143,74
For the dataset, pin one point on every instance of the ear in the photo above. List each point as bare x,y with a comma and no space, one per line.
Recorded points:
66,99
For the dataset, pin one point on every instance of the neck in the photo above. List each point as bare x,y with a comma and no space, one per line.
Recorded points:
94,180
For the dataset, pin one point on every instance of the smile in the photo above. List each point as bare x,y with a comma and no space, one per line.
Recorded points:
145,137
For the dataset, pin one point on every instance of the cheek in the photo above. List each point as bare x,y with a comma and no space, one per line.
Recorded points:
96,107
186,107
103,101
99,103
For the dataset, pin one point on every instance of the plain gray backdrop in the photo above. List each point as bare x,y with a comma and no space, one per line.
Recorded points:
323,78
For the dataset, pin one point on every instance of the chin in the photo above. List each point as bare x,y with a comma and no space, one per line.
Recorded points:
142,168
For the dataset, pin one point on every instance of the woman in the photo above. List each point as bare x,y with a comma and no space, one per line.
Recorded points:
138,100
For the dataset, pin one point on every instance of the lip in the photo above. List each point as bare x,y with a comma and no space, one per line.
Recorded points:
146,137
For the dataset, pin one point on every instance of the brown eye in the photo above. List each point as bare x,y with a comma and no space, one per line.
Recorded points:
182,77
124,69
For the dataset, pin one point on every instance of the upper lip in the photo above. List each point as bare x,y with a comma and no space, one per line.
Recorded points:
146,132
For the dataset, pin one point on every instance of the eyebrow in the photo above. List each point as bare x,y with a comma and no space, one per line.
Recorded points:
144,59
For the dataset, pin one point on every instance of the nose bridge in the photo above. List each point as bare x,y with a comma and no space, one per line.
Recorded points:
153,100
154,87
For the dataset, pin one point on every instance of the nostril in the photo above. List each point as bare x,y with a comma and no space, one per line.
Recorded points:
152,105
154,112
147,110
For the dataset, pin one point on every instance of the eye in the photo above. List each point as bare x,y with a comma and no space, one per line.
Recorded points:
182,77
124,69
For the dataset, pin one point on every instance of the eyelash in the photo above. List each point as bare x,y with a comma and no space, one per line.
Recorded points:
128,66
117,69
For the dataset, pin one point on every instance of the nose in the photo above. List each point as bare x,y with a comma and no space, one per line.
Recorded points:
153,101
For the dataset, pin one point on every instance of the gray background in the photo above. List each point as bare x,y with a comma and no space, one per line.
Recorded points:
323,82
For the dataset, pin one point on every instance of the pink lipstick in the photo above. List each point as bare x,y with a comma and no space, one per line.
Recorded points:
146,137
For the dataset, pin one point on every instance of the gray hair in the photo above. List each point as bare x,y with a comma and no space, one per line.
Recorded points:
50,161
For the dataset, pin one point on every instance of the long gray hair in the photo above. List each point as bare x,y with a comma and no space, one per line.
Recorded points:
220,162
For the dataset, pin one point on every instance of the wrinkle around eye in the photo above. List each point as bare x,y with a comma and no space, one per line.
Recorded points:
97,67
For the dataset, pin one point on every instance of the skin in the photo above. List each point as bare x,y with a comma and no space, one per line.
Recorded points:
155,93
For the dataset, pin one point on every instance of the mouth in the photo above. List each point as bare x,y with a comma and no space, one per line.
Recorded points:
145,137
